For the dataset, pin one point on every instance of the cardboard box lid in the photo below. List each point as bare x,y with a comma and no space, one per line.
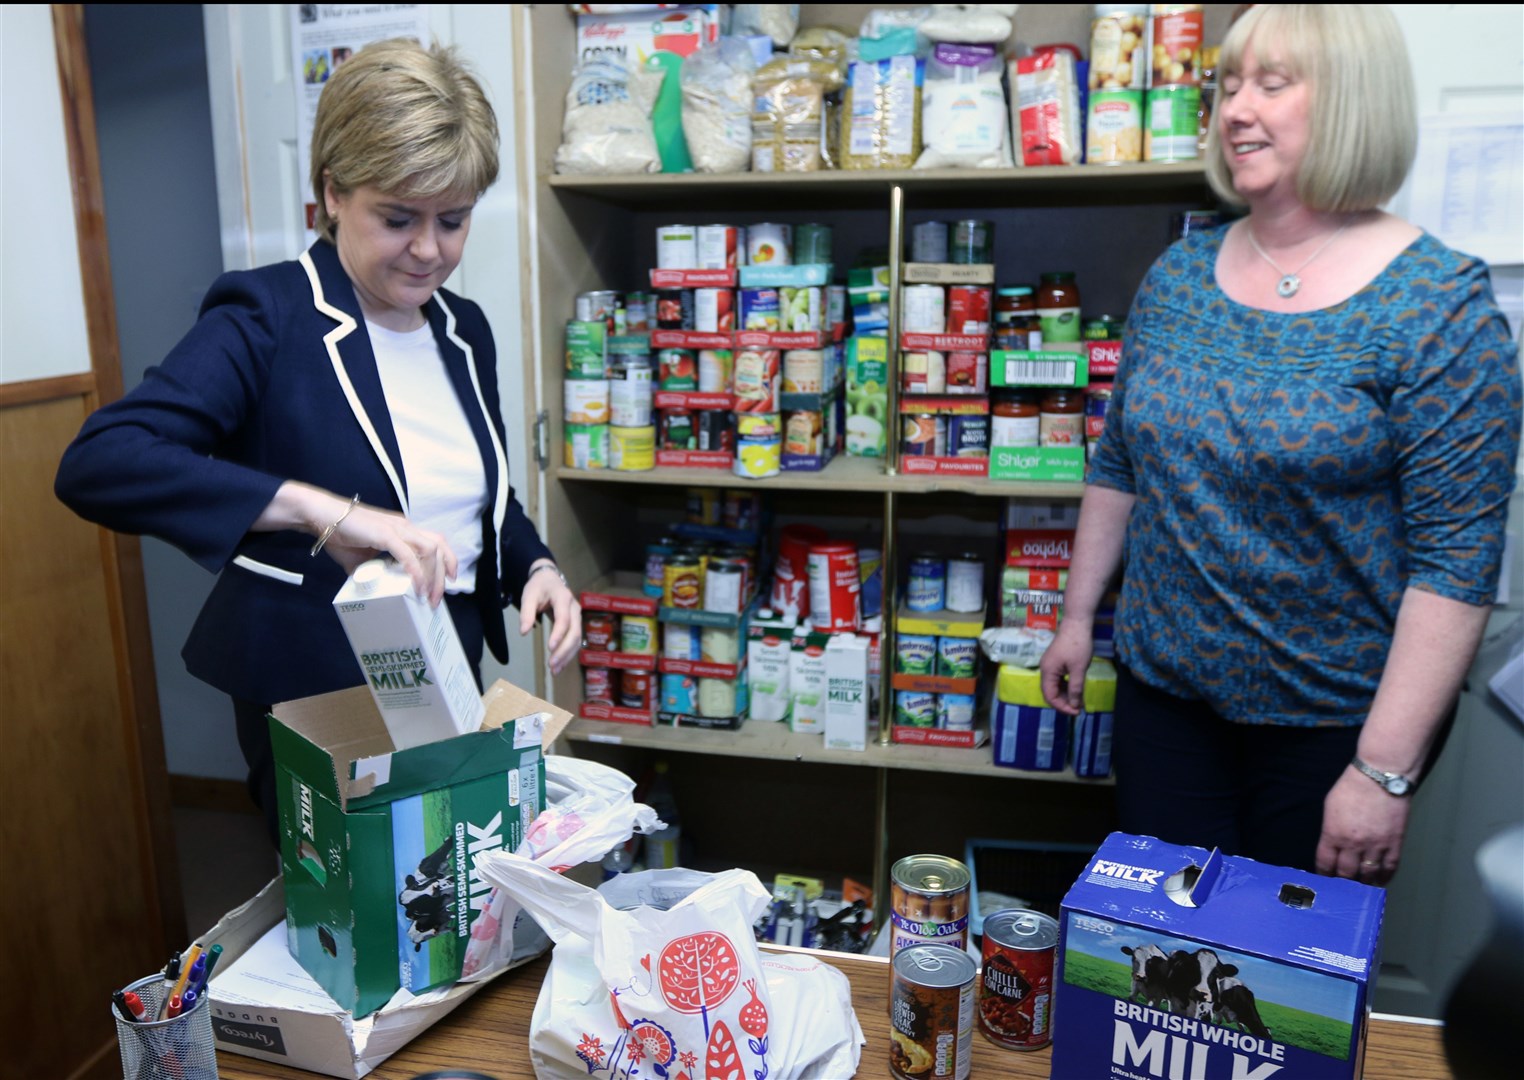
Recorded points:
340,738
1329,925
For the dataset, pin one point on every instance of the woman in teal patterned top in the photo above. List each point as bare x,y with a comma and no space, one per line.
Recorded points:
1307,465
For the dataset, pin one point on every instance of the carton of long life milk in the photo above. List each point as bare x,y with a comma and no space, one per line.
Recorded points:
411,655
769,640
846,713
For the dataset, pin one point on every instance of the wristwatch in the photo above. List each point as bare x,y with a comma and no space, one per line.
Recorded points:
1392,783
554,569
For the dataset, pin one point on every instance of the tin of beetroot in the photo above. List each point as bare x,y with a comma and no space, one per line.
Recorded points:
931,1013
600,631
1016,986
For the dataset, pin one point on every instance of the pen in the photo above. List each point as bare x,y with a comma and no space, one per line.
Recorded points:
119,999
172,1010
188,1000
186,963
212,956
197,974
135,1007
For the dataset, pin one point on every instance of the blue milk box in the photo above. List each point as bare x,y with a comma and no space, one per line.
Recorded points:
1179,962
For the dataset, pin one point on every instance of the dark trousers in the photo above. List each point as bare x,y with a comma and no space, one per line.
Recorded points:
254,727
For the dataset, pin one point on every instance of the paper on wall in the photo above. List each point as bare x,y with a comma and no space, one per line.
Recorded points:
1468,184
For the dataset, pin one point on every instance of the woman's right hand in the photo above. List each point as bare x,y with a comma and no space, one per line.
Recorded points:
1063,667
368,532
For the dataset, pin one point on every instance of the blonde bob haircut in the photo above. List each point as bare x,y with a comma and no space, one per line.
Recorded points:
1363,108
409,121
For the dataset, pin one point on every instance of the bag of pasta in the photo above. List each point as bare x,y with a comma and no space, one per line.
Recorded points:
881,114
788,115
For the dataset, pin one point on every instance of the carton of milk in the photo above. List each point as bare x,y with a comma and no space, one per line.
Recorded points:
769,640
846,713
807,680
414,665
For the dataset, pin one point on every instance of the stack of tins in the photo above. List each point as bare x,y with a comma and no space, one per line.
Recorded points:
938,989
936,584
630,635
833,585
1150,84
609,421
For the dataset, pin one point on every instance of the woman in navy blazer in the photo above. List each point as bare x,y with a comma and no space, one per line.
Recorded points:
269,424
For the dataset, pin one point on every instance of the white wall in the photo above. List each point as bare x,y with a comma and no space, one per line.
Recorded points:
41,255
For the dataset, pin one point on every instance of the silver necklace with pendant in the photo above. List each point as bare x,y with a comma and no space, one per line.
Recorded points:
1290,283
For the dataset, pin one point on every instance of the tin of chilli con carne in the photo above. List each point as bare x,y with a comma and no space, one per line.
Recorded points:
1016,982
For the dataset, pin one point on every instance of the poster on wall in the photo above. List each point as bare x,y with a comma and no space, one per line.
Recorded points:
323,37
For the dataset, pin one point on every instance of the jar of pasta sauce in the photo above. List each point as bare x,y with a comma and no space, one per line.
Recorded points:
1015,419
1061,417
1058,308
1016,322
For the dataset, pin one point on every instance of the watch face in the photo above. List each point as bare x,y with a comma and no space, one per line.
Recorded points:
1397,785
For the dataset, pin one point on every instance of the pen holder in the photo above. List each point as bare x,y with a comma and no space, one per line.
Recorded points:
179,1049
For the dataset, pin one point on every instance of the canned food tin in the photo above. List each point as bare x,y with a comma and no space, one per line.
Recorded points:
1092,744
598,305
915,654
716,430
912,708
761,309
968,436
678,369
1097,401
714,310
674,309
923,309
928,902
925,435
955,712
587,446
715,371
801,309
656,558
757,375
679,694
704,506
835,587
966,372
630,392
600,631
1102,328
677,429
637,635
957,658
635,689
716,697
927,590
718,247
585,341
1177,34
632,449
676,247
972,242
767,244
965,583
931,1013
928,242
682,581
836,306
1170,133
1114,131
679,641
587,401
1016,987
803,371
968,309
1118,47
803,433
720,645
759,445
724,581
598,686
637,312
924,372
812,243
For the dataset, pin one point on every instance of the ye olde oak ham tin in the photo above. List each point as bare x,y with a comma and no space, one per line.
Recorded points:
1016,985
928,902
931,1013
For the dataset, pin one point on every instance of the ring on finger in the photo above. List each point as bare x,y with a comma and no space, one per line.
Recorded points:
1369,862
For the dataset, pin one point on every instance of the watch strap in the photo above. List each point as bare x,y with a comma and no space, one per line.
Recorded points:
1391,783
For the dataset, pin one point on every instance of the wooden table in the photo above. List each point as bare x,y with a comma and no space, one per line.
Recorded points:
490,1034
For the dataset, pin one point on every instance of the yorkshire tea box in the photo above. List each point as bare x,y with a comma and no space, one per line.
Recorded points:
377,841
414,665
1176,961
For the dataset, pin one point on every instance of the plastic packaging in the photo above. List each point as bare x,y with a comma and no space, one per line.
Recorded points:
881,114
970,24
778,21
607,127
963,111
717,100
788,115
1045,108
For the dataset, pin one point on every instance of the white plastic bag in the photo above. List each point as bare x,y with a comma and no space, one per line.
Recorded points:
964,122
589,808
716,82
607,127
675,984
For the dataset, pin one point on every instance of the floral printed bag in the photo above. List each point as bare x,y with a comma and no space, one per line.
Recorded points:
658,977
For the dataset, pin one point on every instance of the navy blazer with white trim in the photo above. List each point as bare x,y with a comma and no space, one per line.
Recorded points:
277,381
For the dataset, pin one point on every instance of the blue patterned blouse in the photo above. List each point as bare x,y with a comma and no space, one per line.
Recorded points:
1295,473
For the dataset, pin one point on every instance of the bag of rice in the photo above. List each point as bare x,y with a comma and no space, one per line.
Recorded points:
717,101
963,110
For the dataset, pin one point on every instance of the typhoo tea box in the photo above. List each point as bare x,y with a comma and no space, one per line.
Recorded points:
1179,962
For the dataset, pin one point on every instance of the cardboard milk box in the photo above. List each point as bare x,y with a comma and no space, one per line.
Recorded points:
846,712
807,680
769,640
411,655
1179,962
377,841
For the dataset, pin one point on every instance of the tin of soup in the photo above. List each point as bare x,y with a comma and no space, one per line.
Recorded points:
1016,987
600,631
598,686
928,902
637,635
931,1013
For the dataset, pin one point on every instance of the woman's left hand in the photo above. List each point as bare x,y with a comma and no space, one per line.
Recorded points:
547,592
1363,828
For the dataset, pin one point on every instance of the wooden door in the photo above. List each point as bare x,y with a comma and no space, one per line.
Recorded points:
86,830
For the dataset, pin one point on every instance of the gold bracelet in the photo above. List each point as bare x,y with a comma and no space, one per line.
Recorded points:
327,534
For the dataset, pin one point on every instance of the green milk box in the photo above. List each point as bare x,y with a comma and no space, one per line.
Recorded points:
377,844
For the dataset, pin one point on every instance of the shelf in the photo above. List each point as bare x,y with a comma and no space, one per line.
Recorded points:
1051,185
775,742
844,473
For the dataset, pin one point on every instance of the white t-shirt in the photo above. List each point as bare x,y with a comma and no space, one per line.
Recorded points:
446,481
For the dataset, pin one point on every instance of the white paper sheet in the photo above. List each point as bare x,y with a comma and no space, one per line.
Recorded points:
268,975
1468,184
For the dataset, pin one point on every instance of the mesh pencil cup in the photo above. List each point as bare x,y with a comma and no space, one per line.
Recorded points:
180,1049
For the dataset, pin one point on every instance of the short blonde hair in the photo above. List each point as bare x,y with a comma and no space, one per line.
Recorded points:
1364,112
410,121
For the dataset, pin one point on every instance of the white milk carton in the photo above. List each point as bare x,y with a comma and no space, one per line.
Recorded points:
412,658
846,713
768,646
807,680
